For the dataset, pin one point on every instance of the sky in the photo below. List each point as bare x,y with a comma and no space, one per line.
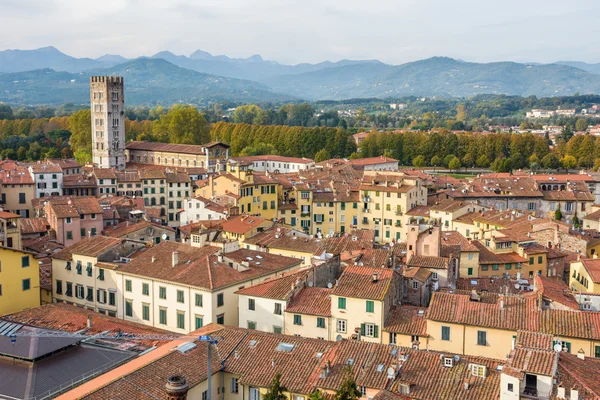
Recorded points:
295,31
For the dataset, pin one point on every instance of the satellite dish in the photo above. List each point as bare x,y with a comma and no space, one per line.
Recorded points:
457,358
338,338
310,284
164,236
390,371
517,286
329,285
557,347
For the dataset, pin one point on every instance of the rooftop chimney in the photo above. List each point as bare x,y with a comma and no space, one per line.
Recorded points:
581,354
375,277
89,322
175,258
176,388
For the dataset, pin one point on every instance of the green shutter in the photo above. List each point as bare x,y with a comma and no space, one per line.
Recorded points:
376,331
342,303
362,329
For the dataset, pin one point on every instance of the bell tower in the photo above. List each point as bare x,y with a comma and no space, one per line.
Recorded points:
108,121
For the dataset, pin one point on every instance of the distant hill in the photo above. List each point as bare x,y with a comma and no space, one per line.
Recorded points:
46,57
437,76
591,68
48,76
148,81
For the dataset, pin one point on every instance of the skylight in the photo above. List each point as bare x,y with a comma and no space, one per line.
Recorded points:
287,347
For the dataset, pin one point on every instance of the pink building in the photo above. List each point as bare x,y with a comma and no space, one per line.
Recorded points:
74,218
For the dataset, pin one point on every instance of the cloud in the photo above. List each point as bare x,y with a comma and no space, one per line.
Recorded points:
295,31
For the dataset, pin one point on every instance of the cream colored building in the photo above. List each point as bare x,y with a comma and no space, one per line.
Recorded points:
585,276
84,273
181,288
361,301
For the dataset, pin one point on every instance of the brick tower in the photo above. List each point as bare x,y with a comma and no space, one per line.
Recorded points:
108,121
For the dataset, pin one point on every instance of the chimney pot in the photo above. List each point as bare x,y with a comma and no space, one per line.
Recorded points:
175,258
89,322
176,388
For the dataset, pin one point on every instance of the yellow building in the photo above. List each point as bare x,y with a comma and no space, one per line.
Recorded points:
242,227
19,280
469,253
406,326
384,201
17,190
361,302
585,276
10,230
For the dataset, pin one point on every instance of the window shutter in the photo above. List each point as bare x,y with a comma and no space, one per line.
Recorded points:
376,331
362,329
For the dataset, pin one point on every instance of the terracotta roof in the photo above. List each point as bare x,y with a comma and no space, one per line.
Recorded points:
407,320
104,173
126,228
556,291
417,273
448,205
419,211
90,247
428,262
498,187
580,374
33,225
70,318
516,314
44,245
592,266
242,224
177,177
74,206
358,239
201,225
491,285
595,216
45,168
67,163
585,325
312,301
78,180
427,378
487,257
357,282
166,147
200,266
534,340
278,288
148,381
20,176
8,215
534,361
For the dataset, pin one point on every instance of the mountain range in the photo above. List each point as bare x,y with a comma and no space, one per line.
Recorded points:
48,76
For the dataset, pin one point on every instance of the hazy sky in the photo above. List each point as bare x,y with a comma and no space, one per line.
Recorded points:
293,31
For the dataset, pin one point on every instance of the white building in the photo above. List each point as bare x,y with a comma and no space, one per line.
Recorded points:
48,179
181,288
272,163
536,113
375,164
84,274
201,209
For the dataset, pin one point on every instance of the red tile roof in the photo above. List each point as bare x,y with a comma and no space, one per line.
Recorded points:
126,228
555,291
311,301
534,340
357,282
592,266
534,361
242,224
372,161
91,247
278,288
428,262
455,238
34,225
407,320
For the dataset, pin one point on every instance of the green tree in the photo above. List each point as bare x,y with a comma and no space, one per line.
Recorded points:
322,155
550,161
83,156
534,162
436,161
21,153
557,214
80,125
182,125
276,391
461,112
247,113
567,133
483,161
468,161
568,162
501,165
348,390
581,124
5,112
317,395
454,164
419,162
576,222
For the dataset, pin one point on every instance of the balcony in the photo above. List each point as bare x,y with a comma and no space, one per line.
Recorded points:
397,212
